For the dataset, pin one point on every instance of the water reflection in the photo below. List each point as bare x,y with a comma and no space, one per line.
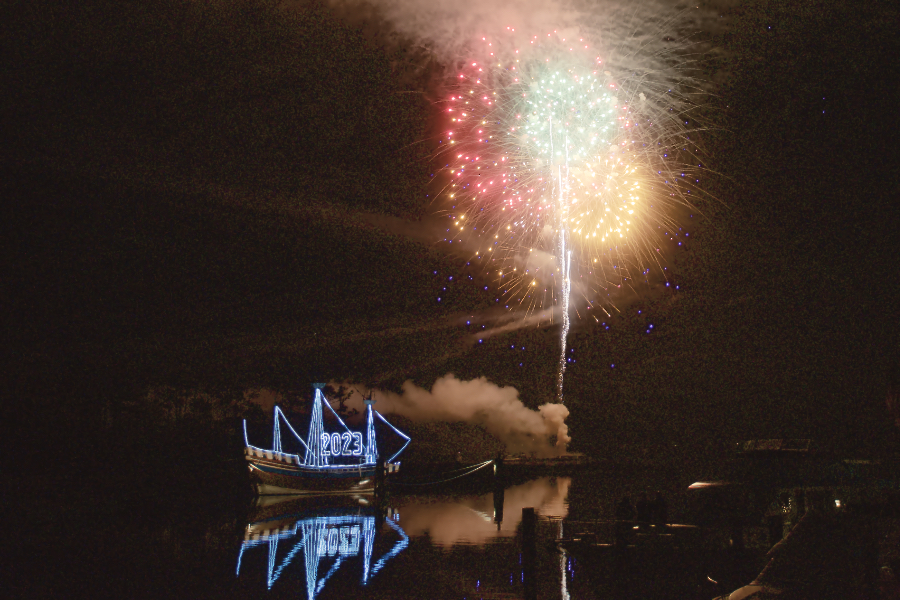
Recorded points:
450,521
322,540
315,534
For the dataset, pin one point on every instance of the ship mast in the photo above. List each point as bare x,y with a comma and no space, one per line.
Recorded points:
315,453
371,444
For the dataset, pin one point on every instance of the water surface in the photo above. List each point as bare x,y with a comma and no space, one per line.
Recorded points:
434,544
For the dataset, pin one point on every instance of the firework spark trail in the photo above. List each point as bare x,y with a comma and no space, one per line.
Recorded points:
564,333
565,256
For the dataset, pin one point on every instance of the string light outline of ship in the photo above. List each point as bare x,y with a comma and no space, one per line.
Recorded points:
322,469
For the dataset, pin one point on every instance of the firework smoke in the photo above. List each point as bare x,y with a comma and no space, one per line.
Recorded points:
480,402
447,27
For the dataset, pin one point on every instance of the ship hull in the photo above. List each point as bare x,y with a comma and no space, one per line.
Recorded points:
272,474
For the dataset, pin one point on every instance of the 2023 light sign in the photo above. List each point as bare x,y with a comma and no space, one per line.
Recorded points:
339,444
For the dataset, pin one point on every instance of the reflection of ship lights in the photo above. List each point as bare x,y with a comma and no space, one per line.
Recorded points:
321,538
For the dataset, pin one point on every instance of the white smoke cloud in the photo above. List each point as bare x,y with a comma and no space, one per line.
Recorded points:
513,322
480,402
631,35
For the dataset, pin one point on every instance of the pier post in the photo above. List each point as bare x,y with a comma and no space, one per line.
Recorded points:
498,490
498,504
379,475
529,552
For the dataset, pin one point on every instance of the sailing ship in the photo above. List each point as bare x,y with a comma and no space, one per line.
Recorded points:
334,462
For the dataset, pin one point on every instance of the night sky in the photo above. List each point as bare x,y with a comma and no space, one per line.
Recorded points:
224,197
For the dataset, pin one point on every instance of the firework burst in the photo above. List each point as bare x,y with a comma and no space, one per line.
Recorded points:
554,160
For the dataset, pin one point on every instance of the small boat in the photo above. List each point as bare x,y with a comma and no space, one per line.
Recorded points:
339,462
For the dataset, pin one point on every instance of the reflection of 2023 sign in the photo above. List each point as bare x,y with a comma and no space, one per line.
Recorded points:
339,540
339,444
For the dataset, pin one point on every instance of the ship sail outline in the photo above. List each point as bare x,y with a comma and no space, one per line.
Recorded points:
316,456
